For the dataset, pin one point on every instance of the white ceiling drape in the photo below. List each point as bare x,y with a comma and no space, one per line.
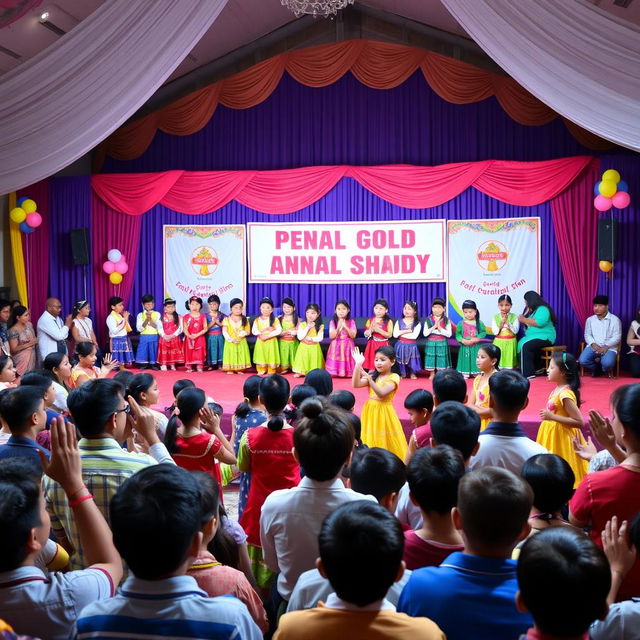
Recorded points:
582,62
60,104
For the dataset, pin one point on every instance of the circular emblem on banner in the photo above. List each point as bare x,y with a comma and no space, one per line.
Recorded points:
204,260
492,255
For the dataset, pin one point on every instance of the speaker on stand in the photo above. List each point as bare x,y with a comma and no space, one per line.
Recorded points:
80,252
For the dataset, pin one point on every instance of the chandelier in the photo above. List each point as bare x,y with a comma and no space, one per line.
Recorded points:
316,8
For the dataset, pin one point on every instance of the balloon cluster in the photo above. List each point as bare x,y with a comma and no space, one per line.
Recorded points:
115,266
26,215
611,191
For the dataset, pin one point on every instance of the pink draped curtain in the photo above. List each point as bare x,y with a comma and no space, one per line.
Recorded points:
576,225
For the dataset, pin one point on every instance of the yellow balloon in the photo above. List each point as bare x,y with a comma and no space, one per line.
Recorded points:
18,215
115,278
611,174
29,206
605,266
607,188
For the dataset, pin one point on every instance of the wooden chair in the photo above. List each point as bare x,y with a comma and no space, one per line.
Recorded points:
547,353
610,372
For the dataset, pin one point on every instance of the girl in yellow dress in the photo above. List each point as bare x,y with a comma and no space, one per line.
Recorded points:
487,360
266,328
235,329
380,423
562,420
288,339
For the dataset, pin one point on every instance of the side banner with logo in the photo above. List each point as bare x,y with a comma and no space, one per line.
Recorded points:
489,258
202,260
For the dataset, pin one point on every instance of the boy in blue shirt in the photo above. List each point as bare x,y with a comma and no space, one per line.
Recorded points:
472,593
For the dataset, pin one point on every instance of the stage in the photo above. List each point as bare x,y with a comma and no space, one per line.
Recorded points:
227,391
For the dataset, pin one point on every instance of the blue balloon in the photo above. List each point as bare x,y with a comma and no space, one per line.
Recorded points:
21,200
623,186
596,189
25,228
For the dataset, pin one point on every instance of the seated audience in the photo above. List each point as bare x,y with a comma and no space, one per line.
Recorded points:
615,491
299,394
433,475
419,406
360,546
343,398
212,576
321,381
8,372
58,365
504,443
291,518
378,473
156,517
602,335
22,409
39,604
563,582
623,620
449,385
472,593
143,388
100,414
42,380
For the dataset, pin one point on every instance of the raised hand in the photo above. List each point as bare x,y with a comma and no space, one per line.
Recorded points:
145,421
65,466
210,420
584,450
357,356
614,543
602,430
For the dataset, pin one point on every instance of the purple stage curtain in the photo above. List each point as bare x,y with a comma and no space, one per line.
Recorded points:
35,247
70,209
349,201
576,225
112,230
349,123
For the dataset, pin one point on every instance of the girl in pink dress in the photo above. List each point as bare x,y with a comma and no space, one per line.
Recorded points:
194,325
342,331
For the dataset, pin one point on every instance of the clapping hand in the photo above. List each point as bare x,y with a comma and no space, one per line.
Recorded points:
65,466
587,450
614,543
108,363
210,420
602,430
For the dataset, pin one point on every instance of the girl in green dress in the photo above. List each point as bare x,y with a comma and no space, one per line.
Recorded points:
505,326
469,332
310,333
288,340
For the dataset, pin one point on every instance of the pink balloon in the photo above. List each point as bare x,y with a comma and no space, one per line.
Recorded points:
620,200
121,266
109,267
602,203
34,219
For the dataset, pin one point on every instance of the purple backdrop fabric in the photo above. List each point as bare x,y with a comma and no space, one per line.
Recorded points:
348,123
70,204
349,201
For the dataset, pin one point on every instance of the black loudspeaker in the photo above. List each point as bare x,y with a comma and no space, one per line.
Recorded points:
607,239
80,246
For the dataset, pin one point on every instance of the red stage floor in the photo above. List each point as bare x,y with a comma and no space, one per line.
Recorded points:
227,391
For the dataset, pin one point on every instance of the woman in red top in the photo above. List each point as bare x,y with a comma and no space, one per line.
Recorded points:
195,440
267,452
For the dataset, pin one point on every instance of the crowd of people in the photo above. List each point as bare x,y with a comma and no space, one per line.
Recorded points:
112,515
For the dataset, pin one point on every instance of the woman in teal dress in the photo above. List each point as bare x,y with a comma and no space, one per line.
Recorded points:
539,321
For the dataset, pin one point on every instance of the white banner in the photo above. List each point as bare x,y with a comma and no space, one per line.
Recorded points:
348,252
202,260
488,258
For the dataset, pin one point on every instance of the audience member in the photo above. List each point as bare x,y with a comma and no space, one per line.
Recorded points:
321,381
52,331
433,475
100,414
472,593
449,386
156,517
360,546
419,406
343,398
299,394
8,371
22,340
5,314
48,605
58,365
379,473
615,491
143,388
504,443
563,581
602,336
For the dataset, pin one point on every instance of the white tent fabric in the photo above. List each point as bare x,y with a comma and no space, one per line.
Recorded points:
579,60
63,102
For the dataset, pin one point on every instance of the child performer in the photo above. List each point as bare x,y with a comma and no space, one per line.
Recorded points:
119,327
266,328
311,334
150,328
487,362
288,339
86,370
380,424
194,325
407,331
215,339
505,327
342,331
235,329
562,420
437,329
468,334
170,351
377,330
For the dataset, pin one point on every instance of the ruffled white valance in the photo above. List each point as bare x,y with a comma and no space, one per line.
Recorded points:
582,62
64,101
